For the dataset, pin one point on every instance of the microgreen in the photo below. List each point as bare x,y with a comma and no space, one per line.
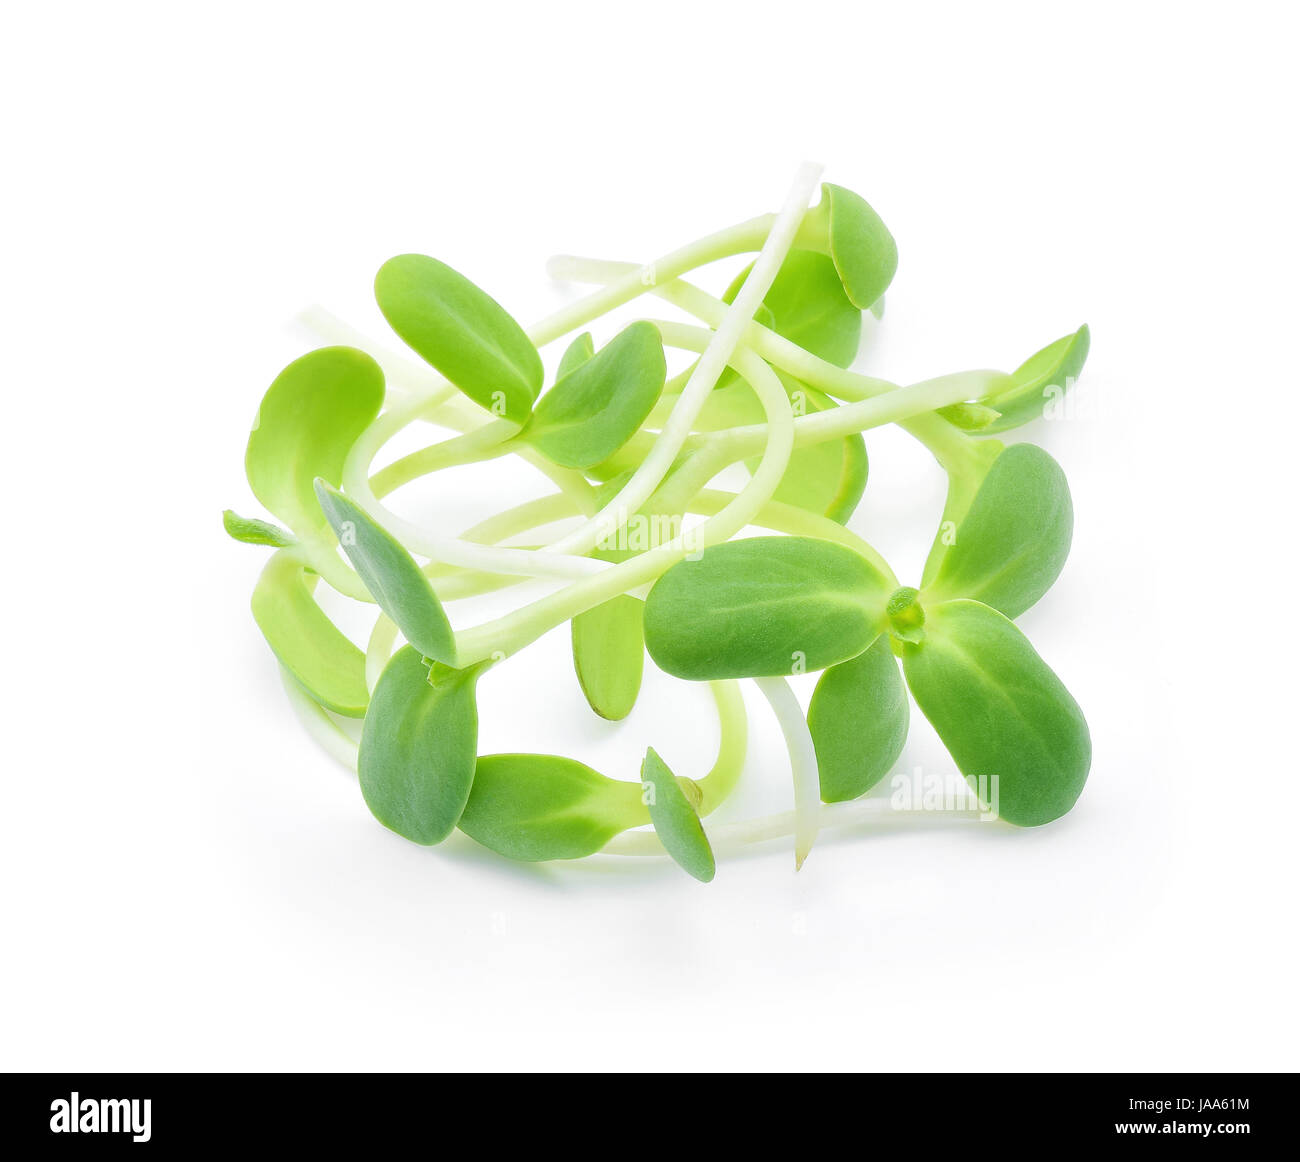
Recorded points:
659,558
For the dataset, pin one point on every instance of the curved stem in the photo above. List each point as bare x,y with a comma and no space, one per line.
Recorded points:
810,230
803,763
730,837
379,649
485,443
799,522
733,742
955,451
517,629
333,739
731,324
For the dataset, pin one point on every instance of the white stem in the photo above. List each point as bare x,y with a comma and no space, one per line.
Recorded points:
728,837
515,630
566,557
803,763
731,327
379,649
335,741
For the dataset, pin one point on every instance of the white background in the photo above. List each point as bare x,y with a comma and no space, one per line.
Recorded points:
186,882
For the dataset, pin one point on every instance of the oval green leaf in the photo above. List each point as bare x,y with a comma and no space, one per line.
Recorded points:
858,720
1011,545
764,607
597,407
1001,712
308,421
391,575
675,820
418,746
463,332
310,647
1039,384
609,655
809,307
536,807
861,246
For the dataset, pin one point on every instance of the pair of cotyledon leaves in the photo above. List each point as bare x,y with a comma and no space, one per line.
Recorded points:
589,414
421,776
771,606
418,761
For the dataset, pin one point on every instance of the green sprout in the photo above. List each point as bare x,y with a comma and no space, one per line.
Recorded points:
651,558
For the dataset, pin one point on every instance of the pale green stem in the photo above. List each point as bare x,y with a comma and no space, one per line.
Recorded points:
956,452
379,649
332,738
730,326
323,556
725,838
517,629
799,522
714,451
810,231
733,741
803,763
484,443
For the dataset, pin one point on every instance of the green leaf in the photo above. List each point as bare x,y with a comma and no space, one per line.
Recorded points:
862,248
609,655
575,355
764,607
858,719
418,746
536,807
390,573
309,419
1013,541
463,332
256,532
323,662
1038,383
675,820
809,307
595,409
1001,712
